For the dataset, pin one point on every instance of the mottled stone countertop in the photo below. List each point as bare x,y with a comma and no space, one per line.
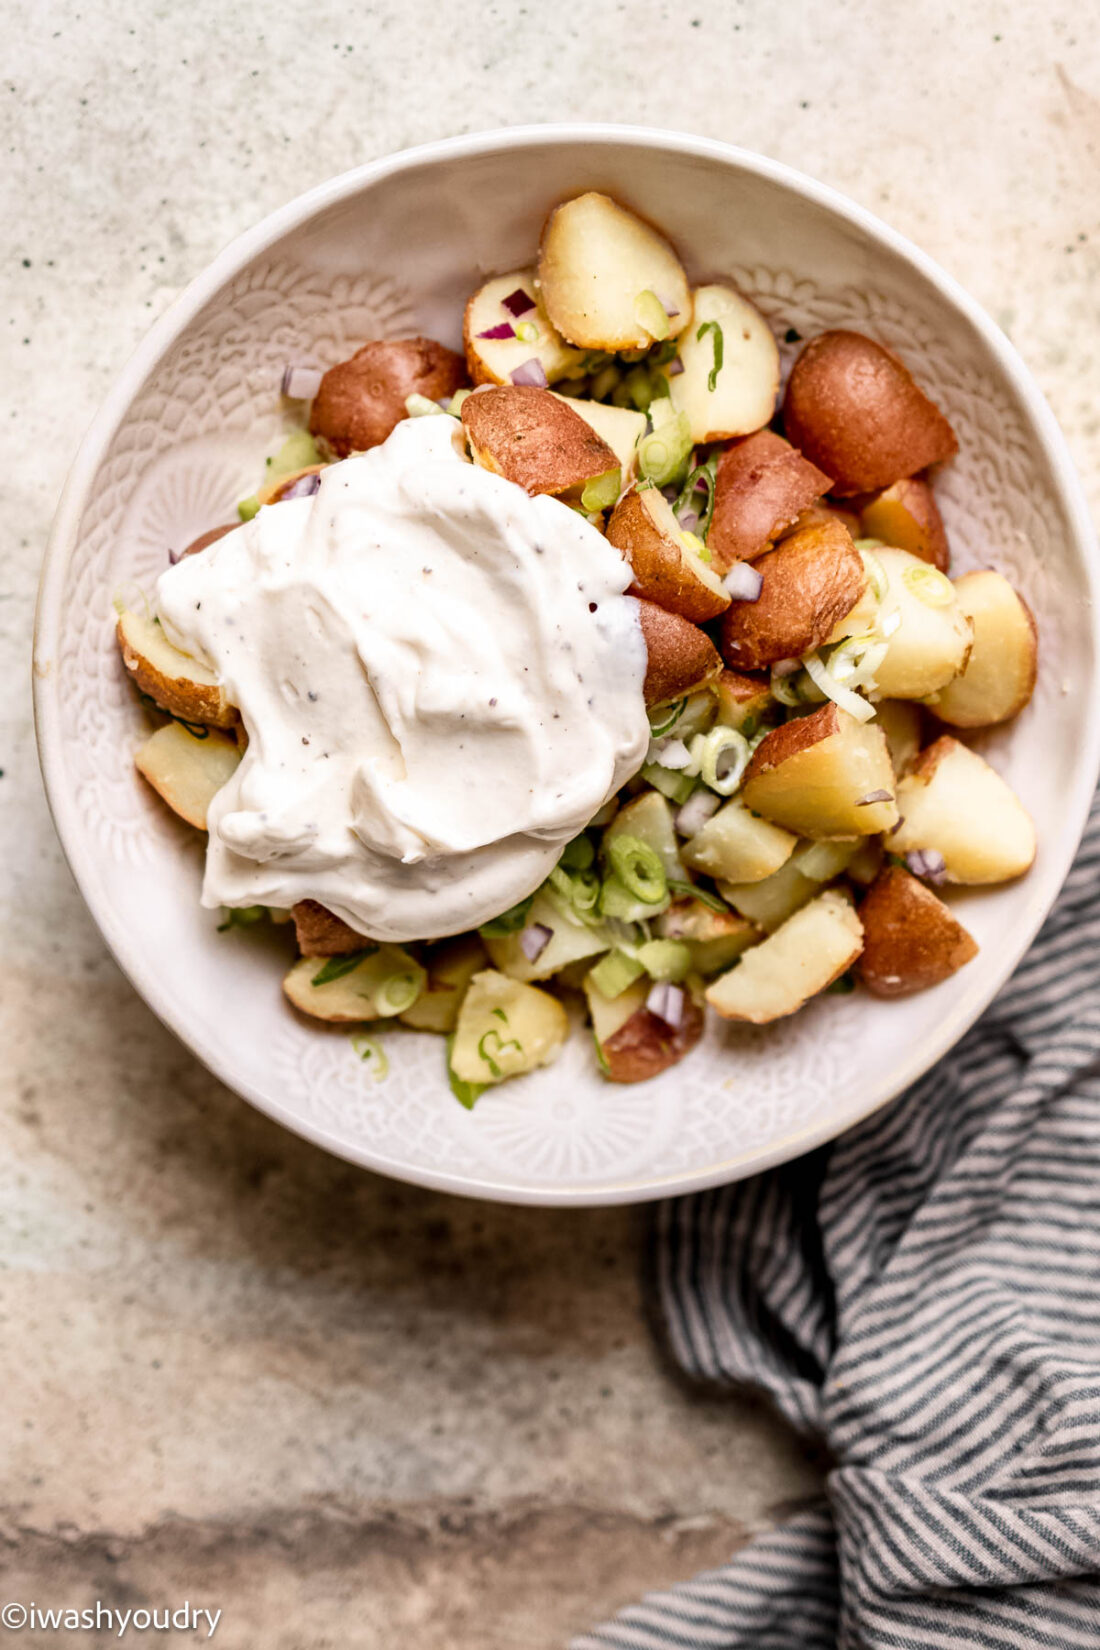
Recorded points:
346,1412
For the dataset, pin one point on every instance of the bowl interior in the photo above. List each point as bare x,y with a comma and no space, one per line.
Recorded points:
397,249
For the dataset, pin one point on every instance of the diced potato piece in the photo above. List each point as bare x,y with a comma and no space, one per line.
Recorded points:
769,903
900,721
569,941
742,700
621,427
451,966
855,411
933,636
910,938
634,1044
812,580
505,1028
953,803
737,846
361,401
321,933
530,436
667,570
762,486
803,957
906,516
999,677
373,985
714,938
187,772
681,656
177,683
493,360
866,864
823,775
746,382
649,818
596,262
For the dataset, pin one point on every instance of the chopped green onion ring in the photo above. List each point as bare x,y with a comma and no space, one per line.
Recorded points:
603,490
638,867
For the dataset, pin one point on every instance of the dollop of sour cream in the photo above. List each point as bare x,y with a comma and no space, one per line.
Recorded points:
441,682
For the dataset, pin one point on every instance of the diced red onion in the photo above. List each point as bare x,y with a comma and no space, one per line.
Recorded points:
786,667
927,862
173,557
672,753
743,582
534,940
503,329
675,367
670,493
302,488
518,302
875,796
669,309
301,383
531,372
696,811
666,1002
689,521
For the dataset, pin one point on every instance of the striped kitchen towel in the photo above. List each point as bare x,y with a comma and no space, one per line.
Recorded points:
924,1296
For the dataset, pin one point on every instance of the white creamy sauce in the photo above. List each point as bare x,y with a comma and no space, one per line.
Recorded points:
441,682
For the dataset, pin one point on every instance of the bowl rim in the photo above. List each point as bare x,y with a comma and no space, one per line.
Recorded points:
160,338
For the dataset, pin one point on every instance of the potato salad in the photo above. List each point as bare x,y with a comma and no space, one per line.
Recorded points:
592,674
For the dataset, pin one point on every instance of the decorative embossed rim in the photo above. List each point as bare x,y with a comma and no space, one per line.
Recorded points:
164,334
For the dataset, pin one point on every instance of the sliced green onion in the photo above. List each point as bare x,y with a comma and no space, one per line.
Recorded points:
832,689
663,455
695,890
579,854
617,900
783,688
248,507
670,715
929,585
454,405
676,786
665,959
854,662
528,332
703,475
465,1093
876,573
240,916
715,745
336,967
397,992
500,1046
603,490
509,922
600,1055
615,973
373,1054
297,452
649,312
638,867
421,406
719,342
636,389
605,382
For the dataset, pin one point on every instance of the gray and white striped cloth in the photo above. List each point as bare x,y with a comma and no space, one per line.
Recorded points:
924,1296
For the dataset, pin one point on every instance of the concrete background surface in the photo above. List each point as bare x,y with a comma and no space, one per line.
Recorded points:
233,1371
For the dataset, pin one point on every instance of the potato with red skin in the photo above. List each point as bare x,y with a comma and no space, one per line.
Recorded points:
856,412
907,517
761,486
666,569
646,1046
742,700
681,656
823,775
361,401
321,933
204,540
530,436
911,940
812,580
815,514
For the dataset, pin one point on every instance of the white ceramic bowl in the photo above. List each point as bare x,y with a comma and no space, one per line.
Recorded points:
394,248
